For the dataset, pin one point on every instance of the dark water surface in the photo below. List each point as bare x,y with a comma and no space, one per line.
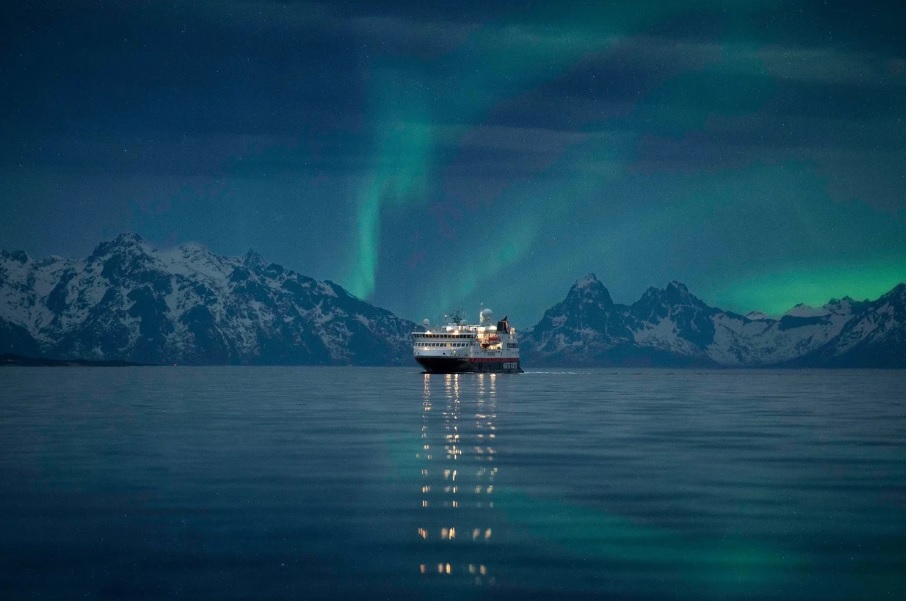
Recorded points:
358,483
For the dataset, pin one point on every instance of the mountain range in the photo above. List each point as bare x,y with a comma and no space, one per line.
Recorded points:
130,302
672,327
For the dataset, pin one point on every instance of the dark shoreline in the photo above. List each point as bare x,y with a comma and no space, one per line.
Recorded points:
23,361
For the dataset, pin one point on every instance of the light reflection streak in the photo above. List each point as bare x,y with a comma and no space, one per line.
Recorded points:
456,529
457,484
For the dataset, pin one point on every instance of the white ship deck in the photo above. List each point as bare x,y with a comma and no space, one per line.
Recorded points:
458,347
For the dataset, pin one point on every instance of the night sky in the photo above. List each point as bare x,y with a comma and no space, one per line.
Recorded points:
430,156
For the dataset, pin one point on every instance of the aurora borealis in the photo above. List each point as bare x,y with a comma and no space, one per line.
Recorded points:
432,157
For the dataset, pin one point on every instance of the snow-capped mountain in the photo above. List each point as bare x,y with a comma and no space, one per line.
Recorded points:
581,329
875,336
673,327
129,301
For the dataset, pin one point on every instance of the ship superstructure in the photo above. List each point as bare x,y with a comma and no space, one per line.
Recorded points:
458,347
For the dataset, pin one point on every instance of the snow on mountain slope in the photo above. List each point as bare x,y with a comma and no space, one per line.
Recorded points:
803,310
672,327
744,342
186,305
132,302
579,329
874,337
672,320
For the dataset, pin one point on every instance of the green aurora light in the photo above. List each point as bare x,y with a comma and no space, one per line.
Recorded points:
594,188
488,68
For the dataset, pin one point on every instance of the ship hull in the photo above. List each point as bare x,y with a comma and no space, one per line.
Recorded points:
455,365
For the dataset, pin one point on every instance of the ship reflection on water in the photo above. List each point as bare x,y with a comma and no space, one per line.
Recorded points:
458,470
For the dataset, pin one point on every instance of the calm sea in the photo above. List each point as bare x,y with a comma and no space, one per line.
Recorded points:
360,483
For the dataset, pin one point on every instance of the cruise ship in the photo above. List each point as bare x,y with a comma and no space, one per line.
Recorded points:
458,347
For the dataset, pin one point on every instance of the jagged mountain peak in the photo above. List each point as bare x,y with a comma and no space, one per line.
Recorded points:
898,293
873,334
127,243
19,256
671,326
586,281
676,294
804,310
253,259
845,306
589,290
835,306
679,289
129,238
331,288
186,304
580,325
757,316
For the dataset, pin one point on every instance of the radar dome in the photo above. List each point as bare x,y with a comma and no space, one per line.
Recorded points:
426,323
486,315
